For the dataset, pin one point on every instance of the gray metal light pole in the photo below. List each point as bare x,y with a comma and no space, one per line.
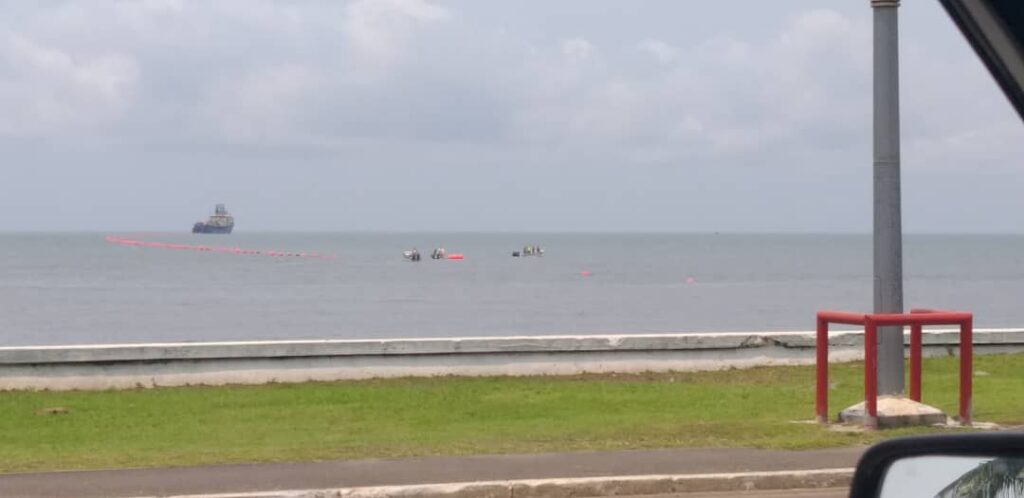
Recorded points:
888,242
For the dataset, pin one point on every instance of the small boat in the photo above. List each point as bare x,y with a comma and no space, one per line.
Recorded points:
412,255
528,251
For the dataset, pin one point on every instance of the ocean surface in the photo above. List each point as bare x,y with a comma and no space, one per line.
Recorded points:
78,288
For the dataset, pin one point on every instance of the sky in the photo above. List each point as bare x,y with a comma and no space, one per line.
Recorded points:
422,115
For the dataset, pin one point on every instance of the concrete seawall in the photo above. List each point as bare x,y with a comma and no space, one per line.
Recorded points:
215,363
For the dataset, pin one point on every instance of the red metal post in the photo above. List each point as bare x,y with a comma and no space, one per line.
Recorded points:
870,373
843,317
932,318
821,347
966,368
915,362
917,319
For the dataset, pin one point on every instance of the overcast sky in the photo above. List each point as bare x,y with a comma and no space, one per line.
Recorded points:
732,115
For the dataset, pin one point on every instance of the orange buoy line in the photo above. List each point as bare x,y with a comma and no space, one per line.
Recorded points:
225,250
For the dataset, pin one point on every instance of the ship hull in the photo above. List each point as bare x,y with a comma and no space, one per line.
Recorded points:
204,228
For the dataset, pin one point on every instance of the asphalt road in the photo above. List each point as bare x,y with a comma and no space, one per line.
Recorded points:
423,470
785,493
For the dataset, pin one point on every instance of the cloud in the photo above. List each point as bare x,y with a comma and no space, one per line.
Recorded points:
800,89
577,49
663,52
48,90
378,31
262,106
806,88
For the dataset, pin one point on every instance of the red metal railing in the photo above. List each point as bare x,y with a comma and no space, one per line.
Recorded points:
917,319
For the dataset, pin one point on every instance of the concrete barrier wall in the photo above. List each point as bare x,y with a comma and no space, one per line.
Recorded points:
215,363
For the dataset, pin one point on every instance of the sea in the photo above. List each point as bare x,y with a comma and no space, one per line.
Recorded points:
80,288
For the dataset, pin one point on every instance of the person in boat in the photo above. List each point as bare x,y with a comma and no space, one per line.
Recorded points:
532,250
438,253
528,250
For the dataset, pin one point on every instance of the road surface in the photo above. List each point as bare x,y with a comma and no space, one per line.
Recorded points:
422,470
785,493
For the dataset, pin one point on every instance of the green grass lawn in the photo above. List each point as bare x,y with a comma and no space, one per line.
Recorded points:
762,407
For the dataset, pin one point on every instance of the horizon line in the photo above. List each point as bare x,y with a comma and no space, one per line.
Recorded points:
499,232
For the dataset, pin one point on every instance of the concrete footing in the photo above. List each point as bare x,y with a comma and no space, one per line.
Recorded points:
894,411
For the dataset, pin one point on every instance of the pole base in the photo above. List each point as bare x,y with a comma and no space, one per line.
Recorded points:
894,411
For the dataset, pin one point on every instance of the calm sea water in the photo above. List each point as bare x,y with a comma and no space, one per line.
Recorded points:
77,288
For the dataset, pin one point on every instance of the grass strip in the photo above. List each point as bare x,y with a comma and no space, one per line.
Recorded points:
760,408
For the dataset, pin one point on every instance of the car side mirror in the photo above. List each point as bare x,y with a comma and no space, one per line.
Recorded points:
995,28
981,465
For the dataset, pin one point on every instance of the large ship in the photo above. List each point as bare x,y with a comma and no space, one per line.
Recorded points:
219,222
